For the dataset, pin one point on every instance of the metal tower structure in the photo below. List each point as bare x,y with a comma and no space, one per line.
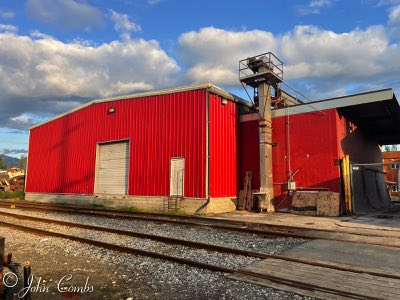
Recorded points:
264,72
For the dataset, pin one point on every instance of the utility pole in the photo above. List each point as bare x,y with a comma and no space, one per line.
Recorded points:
266,195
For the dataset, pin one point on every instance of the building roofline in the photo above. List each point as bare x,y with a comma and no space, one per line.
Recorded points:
211,87
337,102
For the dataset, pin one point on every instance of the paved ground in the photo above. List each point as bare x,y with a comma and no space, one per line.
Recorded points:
360,255
383,222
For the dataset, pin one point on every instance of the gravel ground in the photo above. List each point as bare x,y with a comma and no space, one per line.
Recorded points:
118,276
251,242
221,259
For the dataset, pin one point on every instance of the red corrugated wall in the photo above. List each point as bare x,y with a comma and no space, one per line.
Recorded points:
250,152
224,158
62,153
314,148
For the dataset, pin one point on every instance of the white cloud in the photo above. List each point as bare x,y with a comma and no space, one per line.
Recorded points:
8,28
212,54
50,67
123,24
154,2
320,3
313,7
41,75
394,16
40,35
65,14
394,22
44,75
327,60
388,2
312,52
21,121
7,15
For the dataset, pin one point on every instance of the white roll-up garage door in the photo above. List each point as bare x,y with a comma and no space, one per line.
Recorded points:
112,168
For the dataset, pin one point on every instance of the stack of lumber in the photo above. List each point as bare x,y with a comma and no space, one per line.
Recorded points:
246,201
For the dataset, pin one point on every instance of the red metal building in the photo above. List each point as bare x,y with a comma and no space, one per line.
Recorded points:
311,138
197,142
185,123
391,160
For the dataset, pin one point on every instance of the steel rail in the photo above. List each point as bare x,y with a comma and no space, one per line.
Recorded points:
228,225
205,246
232,225
163,239
215,268
268,230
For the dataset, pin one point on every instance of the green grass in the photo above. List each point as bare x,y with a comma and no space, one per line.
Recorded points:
12,195
131,209
142,210
177,212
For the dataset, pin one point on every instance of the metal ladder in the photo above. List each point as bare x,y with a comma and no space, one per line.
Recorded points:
172,203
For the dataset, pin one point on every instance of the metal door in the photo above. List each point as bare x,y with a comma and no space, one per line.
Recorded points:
112,168
177,177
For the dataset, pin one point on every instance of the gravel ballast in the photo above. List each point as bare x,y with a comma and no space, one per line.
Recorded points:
116,275
244,241
120,276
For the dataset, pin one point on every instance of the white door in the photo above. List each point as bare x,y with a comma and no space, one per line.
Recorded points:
177,177
112,168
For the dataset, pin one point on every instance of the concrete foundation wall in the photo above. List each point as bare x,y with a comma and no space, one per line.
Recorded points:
189,205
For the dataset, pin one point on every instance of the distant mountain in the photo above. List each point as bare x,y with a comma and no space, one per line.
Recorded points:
10,161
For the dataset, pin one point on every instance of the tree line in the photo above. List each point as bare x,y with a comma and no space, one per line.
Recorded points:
22,163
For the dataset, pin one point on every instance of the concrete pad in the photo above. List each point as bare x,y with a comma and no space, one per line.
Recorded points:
361,255
382,224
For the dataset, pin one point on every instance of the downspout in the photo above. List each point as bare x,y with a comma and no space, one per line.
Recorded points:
289,163
207,181
26,166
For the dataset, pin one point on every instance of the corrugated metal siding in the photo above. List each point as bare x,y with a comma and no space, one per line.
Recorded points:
223,148
313,144
62,153
314,149
250,153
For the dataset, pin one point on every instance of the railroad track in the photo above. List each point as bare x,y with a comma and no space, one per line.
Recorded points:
268,230
235,226
299,284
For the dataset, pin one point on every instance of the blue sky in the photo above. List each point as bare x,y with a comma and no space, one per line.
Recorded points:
57,54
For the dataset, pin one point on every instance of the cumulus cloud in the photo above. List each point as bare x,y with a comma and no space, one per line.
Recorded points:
65,14
212,54
8,28
122,23
314,55
41,76
44,76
